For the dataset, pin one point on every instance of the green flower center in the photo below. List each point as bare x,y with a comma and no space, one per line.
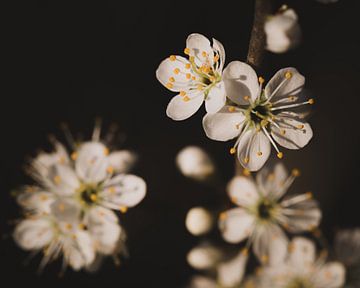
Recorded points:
265,210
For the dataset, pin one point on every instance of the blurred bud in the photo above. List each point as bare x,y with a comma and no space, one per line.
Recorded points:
195,163
282,31
202,282
204,257
199,221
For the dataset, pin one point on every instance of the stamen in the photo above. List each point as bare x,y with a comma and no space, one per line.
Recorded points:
123,209
279,154
204,54
182,93
216,58
186,99
261,80
172,58
188,75
277,89
74,156
93,197
106,151
169,85
232,150
231,109
187,65
110,169
187,51
297,199
310,101
176,71
288,75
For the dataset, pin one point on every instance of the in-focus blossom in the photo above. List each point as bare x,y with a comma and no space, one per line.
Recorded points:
78,191
196,79
194,162
282,31
296,265
199,221
264,210
259,117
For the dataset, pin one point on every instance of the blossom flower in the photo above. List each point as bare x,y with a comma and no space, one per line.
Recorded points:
197,79
78,190
296,265
199,221
264,210
195,163
260,117
282,31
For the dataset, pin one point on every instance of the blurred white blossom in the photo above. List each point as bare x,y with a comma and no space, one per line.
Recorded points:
263,210
282,31
196,79
69,211
195,163
204,256
199,221
260,117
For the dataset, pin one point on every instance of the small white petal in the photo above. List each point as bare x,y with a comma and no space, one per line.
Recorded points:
198,44
202,282
331,275
221,51
122,161
224,125
179,109
236,225
240,80
302,252
216,98
66,210
199,221
243,191
271,180
37,201
203,257
231,273
63,180
253,150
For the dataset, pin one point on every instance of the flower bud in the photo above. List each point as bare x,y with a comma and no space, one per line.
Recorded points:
199,221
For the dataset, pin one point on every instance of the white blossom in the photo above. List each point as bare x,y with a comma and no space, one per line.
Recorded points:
260,117
196,79
199,221
195,163
204,256
296,265
282,31
263,210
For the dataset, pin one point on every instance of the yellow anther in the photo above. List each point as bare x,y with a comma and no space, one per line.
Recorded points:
123,209
81,226
188,75
238,126
186,98
232,150
295,172
176,71
309,195
231,109
264,258
261,80
187,51
246,97
288,75
110,169
171,79
283,132
44,197
280,155
112,189
301,126
223,216
259,153
106,151
216,58
172,58
182,93
245,251
68,226
200,87
233,199
74,156
292,98
169,85
204,54
193,78
205,69
311,101
246,160
191,58
57,179
212,78
263,123
246,172
187,65
93,197
271,177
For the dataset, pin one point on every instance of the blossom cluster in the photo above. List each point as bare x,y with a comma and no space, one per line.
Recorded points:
69,212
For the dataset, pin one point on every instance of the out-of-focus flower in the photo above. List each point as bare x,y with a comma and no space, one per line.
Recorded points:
260,117
204,256
195,163
347,251
282,31
264,210
197,79
78,192
199,221
296,265
202,282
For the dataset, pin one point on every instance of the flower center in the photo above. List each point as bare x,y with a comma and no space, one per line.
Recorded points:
258,113
299,283
89,195
264,210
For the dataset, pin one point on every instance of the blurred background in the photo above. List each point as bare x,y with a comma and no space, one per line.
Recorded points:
73,61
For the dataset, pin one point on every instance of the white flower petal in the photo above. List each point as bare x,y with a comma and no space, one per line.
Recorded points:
178,109
202,282
243,191
204,257
236,225
271,180
231,273
278,249
198,44
331,275
33,234
216,98
123,191
240,80
221,51
293,134
253,150
37,201
91,164
122,161
302,252
165,72
289,87
63,180
224,125
66,210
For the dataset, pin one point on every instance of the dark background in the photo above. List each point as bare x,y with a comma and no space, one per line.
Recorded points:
73,61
